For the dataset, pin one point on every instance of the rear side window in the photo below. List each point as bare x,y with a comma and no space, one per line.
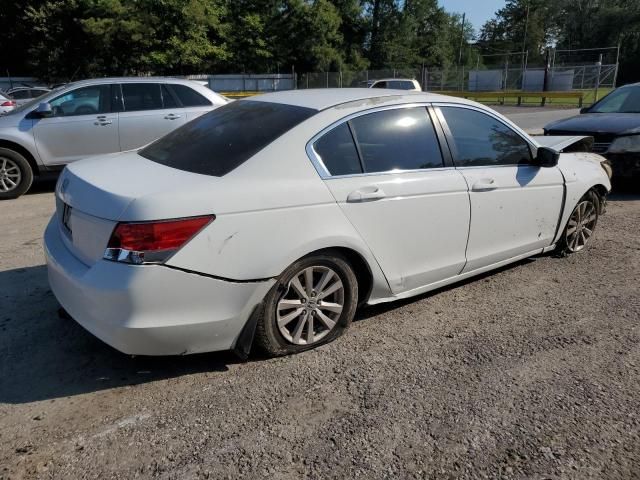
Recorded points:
399,139
481,140
20,95
189,97
380,85
141,96
223,139
338,152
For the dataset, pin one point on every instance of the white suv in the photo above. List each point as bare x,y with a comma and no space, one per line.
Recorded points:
93,117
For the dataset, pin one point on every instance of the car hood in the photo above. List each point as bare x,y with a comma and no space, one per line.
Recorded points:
611,123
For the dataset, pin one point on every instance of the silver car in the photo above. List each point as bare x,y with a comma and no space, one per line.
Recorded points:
93,117
23,95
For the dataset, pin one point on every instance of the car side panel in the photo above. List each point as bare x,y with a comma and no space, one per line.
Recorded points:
582,172
262,244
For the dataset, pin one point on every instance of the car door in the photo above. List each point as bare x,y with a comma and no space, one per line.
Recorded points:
149,111
515,205
81,125
193,103
387,173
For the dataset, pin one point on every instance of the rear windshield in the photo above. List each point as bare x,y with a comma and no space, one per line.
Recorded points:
221,140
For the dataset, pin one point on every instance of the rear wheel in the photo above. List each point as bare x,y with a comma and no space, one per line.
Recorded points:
16,175
312,304
581,224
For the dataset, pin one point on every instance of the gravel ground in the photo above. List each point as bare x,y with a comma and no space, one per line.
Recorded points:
530,372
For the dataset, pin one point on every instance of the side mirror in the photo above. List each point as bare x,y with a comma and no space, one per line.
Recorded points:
584,110
547,157
44,110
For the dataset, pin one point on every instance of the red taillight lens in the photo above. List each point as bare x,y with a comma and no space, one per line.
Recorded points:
143,242
8,103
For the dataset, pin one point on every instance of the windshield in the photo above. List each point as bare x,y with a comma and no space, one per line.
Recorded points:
622,100
223,139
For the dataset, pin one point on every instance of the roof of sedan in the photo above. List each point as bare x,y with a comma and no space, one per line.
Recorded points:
321,99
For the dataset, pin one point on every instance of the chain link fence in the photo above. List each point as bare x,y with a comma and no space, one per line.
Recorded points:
531,78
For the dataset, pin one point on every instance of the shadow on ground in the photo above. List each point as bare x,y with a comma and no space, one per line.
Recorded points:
43,356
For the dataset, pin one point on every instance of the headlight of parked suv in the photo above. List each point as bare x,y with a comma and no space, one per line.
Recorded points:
625,144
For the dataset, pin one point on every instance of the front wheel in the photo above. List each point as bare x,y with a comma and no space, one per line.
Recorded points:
16,175
312,303
581,224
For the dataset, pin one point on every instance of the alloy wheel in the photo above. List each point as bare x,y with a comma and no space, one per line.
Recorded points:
311,305
10,175
581,224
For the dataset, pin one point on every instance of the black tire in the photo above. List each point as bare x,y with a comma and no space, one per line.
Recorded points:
269,337
11,160
566,245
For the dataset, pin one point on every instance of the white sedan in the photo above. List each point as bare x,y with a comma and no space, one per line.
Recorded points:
269,220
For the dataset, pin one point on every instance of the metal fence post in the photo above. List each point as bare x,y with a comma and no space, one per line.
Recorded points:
599,64
327,79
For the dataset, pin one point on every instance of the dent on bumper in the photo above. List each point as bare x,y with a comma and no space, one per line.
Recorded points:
150,310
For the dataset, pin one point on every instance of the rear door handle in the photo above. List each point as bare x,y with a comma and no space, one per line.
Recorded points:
172,116
366,194
103,122
485,185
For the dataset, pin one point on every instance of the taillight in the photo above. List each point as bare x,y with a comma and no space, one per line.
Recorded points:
152,242
8,103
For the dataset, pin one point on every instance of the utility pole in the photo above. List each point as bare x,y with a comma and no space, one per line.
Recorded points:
524,45
460,52
461,39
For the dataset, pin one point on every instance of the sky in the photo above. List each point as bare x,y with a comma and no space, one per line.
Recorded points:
478,11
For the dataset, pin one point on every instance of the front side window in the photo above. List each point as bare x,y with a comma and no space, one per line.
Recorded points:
380,85
399,139
481,140
223,139
141,96
91,100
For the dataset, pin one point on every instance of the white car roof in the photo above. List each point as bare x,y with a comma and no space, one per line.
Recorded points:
323,98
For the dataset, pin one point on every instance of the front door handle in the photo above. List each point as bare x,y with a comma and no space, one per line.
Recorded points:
172,116
103,122
485,185
366,194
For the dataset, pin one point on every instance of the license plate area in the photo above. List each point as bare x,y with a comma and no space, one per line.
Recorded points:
66,218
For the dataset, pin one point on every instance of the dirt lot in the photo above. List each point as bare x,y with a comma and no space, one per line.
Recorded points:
530,372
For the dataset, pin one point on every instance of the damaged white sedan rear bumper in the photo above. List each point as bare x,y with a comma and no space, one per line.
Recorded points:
150,309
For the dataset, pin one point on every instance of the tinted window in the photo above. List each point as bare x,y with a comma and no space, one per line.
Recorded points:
82,101
20,94
480,140
141,96
221,140
338,152
36,92
380,85
167,98
401,139
401,85
189,97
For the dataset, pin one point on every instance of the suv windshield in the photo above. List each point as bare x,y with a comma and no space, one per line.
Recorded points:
622,100
221,140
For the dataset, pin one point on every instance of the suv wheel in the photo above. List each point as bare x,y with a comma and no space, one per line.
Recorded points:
16,175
